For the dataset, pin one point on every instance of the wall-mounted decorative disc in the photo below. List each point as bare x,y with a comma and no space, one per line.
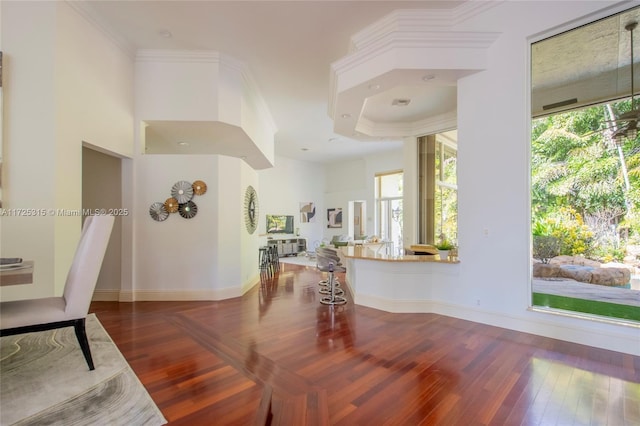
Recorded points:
182,191
158,212
251,209
171,205
188,209
199,187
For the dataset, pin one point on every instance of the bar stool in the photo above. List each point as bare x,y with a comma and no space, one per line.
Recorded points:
263,257
326,264
329,286
330,253
274,259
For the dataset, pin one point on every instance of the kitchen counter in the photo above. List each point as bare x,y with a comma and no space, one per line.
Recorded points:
363,252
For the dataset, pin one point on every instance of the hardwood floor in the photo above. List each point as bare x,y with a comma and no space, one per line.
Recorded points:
208,363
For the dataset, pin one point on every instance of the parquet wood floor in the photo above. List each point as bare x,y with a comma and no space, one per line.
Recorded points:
207,363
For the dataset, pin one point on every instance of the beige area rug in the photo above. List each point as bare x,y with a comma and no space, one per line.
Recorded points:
299,260
44,380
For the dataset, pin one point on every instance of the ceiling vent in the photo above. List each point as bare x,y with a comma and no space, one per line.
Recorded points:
401,102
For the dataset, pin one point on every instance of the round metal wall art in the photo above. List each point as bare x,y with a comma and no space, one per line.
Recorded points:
188,209
158,212
199,187
171,205
251,209
180,201
182,191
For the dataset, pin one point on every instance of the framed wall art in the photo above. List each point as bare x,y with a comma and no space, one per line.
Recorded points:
307,212
334,218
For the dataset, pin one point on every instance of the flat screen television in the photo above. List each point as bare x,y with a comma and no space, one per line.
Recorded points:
279,224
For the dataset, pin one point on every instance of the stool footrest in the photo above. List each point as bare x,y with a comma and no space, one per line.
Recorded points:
337,300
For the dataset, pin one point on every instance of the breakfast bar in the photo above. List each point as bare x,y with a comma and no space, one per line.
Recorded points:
405,283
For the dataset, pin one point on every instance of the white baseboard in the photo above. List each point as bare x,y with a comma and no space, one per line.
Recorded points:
173,295
583,331
106,296
250,283
394,306
178,295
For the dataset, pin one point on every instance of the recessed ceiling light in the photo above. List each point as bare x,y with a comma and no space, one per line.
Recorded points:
183,143
304,149
333,139
428,77
346,115
165,33
374,86
401,102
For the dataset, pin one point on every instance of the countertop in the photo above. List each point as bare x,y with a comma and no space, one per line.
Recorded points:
362,252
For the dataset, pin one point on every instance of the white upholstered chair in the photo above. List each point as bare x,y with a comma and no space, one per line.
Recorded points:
70,309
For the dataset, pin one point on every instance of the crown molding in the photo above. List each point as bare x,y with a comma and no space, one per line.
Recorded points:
254,93
401,20
414,40
407,39
420,41
86,11
472,8
436,124
429,125
417,21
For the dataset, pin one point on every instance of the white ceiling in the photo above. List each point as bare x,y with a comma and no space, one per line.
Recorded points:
288,47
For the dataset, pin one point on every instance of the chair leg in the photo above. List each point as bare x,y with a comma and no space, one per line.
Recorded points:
81,334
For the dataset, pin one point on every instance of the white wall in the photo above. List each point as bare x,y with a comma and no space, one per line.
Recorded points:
208,257
28,48
65,83
205,86
355,181
83,84
493,182
283,188
249,243
193,96
102,189
235,257
493,279
213,257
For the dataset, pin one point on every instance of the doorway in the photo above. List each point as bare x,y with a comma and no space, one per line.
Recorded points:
359,210
102,189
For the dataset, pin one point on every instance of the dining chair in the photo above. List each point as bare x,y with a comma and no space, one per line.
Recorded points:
70,309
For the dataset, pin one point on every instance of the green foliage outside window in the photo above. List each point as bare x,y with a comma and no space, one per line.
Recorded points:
446,193
565,225
578,183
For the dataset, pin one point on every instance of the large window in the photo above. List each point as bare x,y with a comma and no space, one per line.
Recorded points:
388,187
438,188
585,171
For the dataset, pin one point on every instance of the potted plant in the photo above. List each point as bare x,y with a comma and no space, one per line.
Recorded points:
444,246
